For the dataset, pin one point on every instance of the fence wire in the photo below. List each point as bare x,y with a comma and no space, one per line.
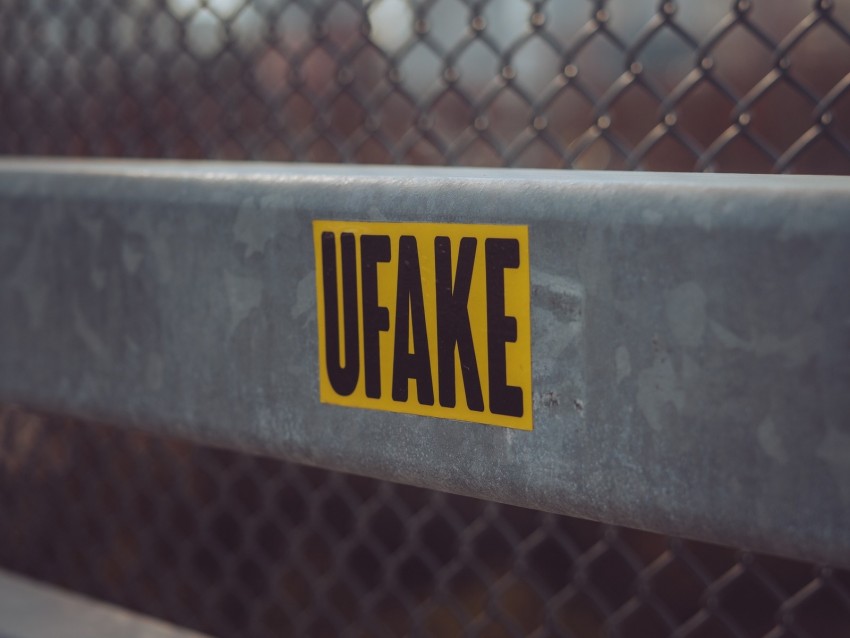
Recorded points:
751,86
237,545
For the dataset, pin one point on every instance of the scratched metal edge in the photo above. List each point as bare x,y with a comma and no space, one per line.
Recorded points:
691,333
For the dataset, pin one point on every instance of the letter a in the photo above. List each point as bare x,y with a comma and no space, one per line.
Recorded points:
410,308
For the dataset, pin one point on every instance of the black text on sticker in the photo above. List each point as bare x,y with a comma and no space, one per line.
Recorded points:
425,318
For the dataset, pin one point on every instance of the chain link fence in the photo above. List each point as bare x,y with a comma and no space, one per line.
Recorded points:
238,545
747,87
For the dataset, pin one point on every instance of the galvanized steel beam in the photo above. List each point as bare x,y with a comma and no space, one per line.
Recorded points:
690,333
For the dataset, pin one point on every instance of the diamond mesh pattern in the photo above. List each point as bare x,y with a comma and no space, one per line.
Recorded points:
750,86
237,545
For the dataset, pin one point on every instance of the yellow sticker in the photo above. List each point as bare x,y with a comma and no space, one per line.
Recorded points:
429,319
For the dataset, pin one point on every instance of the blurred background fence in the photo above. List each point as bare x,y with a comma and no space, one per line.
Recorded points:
238,545
748,86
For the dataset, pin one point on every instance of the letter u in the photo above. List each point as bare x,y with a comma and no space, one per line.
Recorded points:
343,378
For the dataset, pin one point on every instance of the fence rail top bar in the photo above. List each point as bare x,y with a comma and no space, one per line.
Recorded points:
689,334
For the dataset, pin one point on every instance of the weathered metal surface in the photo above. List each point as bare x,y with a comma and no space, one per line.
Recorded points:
690,333
29,609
